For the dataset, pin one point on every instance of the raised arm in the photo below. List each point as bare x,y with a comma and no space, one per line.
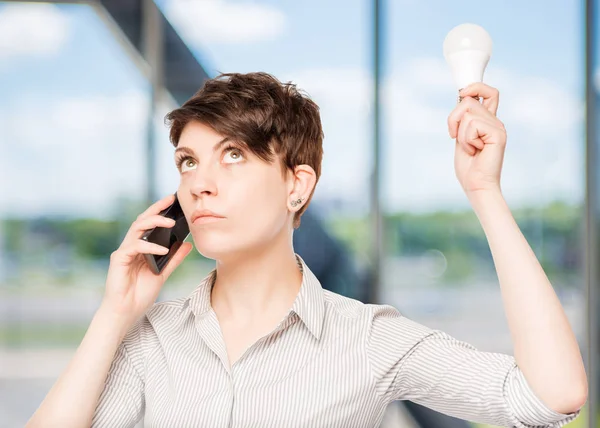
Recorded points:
545,346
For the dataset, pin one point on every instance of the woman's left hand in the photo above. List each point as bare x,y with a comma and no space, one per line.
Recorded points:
480,139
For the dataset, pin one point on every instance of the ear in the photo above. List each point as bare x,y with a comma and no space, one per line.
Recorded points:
302,181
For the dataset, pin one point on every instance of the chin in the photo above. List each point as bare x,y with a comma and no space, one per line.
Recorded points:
212,248
216,247
223,246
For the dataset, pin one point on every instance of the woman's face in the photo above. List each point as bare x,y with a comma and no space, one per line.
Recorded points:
250,194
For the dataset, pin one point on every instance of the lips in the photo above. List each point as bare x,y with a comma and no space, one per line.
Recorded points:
207,219
205,216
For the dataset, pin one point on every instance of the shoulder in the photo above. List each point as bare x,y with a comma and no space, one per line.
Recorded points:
377,319
343,306
385,323
372,314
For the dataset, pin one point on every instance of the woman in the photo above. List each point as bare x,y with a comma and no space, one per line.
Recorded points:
259,343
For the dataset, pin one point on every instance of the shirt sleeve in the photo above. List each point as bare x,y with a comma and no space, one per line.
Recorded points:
429,367
121,403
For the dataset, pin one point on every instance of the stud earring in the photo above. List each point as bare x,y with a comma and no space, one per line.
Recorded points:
297,202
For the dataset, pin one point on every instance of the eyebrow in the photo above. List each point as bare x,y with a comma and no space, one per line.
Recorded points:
190,152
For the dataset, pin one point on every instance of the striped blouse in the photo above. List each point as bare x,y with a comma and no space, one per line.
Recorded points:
331,362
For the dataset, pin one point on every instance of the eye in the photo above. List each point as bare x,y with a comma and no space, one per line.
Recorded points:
233,155
184,162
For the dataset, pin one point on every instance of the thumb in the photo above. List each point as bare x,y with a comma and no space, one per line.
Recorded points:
176,260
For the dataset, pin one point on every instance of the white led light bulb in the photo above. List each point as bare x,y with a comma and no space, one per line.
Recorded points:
467,50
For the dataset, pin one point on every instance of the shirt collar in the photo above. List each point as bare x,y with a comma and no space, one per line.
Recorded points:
309,304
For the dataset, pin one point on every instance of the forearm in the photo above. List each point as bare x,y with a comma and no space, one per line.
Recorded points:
545,347
72,400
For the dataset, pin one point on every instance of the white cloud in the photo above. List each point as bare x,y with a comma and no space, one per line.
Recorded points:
224,21
351,92
540,105
66,121
86,116
73,155
38,29
429,73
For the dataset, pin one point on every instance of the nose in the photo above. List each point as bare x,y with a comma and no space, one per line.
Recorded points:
204,182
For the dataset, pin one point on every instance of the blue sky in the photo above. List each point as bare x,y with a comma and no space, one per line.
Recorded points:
72,102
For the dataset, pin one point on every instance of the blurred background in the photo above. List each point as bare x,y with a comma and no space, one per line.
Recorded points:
85,85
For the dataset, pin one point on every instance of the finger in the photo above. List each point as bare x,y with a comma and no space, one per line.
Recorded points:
158,206
455,117
182,253
157,220
474,131
126,254
471,136
470,105
479,109
461,134
145,247
471,130
155,208
467,133
491,96
139,226
465,148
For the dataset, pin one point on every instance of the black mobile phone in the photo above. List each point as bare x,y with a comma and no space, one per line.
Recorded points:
169,237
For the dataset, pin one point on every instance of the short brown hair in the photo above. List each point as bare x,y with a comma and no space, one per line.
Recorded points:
265,115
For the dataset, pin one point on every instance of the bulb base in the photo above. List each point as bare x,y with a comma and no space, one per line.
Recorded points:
459,98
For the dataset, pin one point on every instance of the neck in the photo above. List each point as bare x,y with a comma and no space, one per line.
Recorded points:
259,282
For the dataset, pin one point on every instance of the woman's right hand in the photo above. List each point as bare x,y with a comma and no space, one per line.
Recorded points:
131,287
